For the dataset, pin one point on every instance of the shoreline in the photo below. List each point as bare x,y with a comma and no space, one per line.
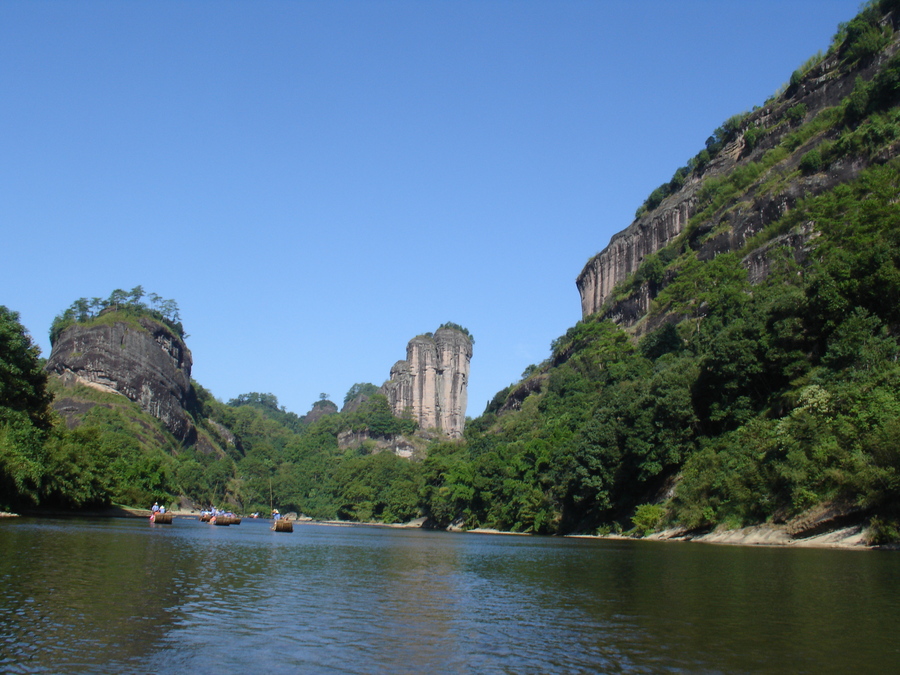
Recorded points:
848,538
851,538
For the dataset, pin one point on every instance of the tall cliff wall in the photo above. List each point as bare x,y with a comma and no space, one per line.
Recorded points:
628,248
432,382
741,217
140,359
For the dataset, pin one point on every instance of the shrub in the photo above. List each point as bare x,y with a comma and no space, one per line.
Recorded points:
808,65
646,518
752,136
882,532
795,114
864,38
812,162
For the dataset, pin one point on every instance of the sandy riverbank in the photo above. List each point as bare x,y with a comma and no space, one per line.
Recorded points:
851,538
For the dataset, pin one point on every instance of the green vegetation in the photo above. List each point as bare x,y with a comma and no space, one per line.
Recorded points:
461,329
117,454
22,380
740,403
360,389
863,37
761,400
268,405
124,304
801,72
647,517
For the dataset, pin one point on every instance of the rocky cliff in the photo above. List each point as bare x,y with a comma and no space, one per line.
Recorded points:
137,357
767,190
432,382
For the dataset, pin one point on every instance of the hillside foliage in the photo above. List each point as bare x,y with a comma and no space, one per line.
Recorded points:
741,403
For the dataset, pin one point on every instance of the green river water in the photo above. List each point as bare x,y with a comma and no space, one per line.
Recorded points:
125,596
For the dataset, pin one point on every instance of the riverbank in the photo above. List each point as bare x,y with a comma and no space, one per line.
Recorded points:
853,537
850,538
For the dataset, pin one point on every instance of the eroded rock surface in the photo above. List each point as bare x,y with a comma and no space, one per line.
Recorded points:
738,219
141,359
432,382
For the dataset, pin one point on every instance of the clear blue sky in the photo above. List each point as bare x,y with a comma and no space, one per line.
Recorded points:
315,183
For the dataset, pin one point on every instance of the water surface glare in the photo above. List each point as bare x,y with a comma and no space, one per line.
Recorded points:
124,596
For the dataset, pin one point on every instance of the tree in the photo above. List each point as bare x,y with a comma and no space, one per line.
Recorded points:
22,380
82,309
359,389
136,294
256,399
169,310
117,297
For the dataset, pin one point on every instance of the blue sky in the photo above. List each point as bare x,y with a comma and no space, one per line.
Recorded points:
315,183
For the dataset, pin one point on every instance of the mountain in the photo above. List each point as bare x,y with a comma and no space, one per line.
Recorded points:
134,428
432,382
736,359
136,356
826,128
737,362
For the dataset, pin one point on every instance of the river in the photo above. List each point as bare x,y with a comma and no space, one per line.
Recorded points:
125,596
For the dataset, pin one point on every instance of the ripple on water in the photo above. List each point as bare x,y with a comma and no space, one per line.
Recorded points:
124,597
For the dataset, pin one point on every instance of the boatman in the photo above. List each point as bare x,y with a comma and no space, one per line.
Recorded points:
155,507
276,515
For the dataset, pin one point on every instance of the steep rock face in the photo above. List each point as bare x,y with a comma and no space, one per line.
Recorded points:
140,359
825,86
628,248
432,382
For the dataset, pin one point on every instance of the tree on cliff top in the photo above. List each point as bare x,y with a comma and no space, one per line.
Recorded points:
256,399
128,302
360,389
461,329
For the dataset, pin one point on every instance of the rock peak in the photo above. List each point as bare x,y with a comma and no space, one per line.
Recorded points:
432,382
140,358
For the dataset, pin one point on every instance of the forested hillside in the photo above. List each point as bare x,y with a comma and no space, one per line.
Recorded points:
742,402
101,448
744,372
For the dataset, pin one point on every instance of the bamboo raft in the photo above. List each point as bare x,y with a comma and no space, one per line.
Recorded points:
161,518
283,526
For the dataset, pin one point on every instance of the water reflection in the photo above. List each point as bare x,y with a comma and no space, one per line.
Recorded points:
72,594
120,596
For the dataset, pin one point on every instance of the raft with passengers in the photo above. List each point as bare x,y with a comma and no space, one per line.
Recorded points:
281,524
159,515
